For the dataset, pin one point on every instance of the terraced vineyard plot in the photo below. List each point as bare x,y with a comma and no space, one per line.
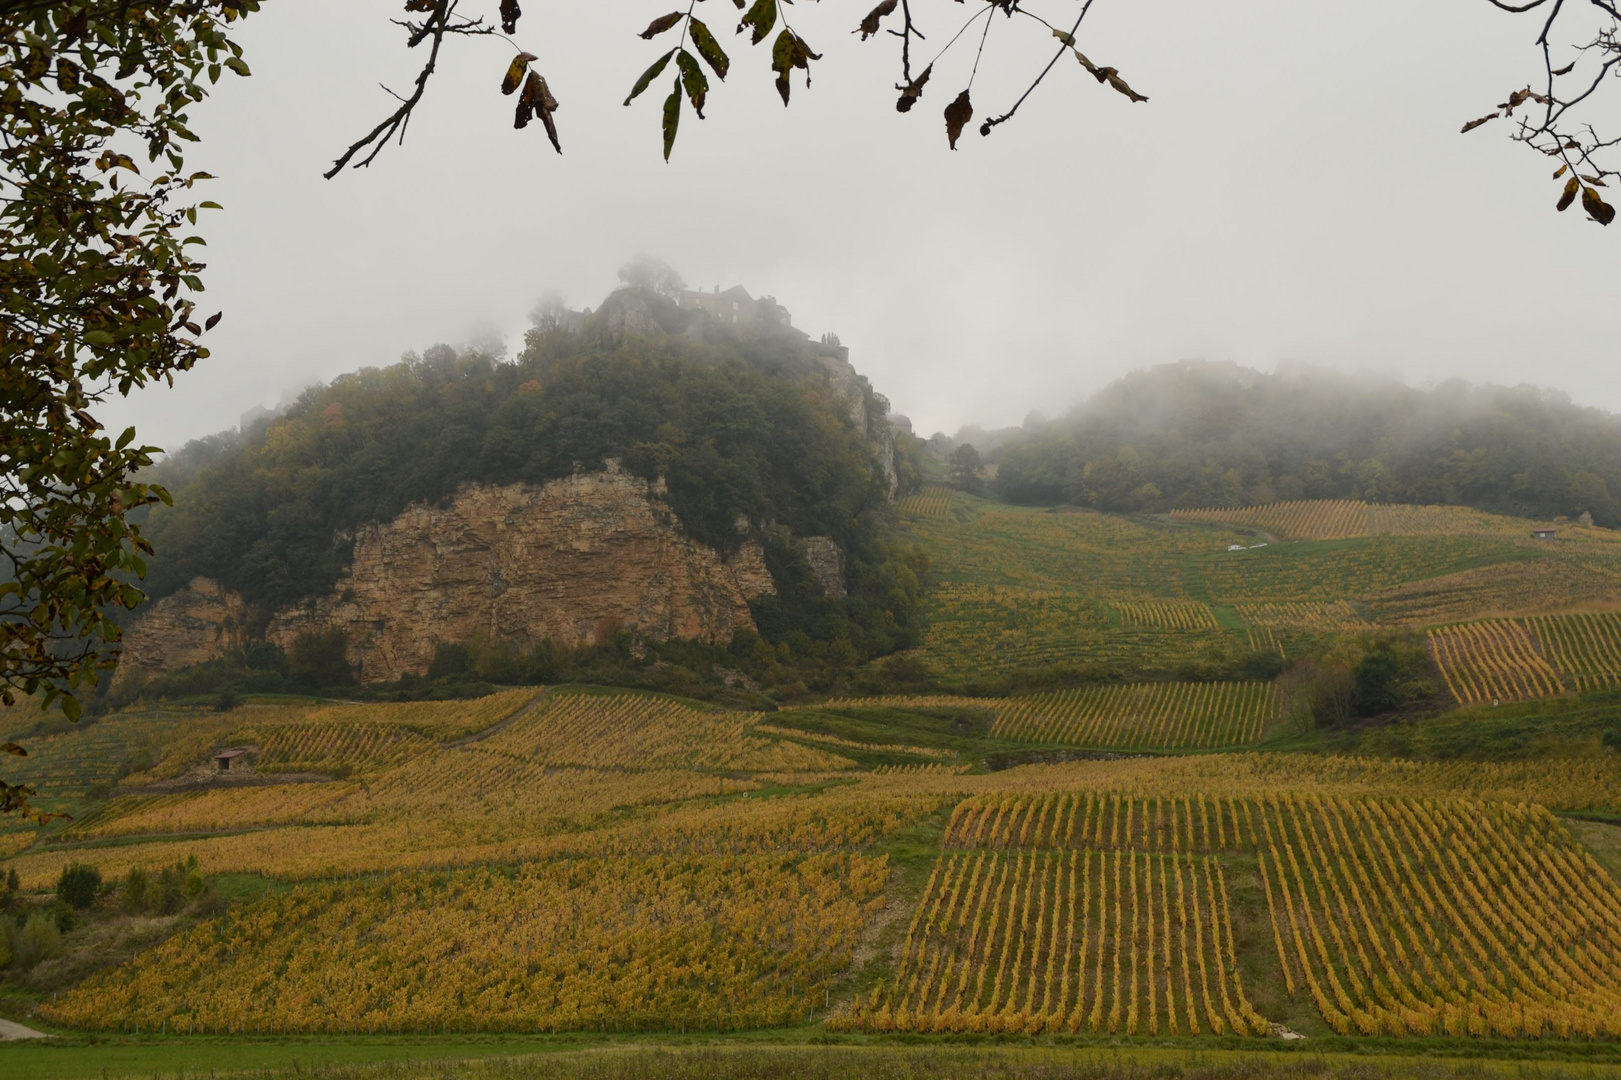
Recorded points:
1147,715
1303,615
1312,519
745,942
932,501
1393,519
1068,941
1346,570
1408,917
1492,661
1585,649
632,731
1106,821
1165,615
1090,553
975,631
1528,585
321,745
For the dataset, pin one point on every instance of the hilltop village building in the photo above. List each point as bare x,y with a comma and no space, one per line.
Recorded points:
736,307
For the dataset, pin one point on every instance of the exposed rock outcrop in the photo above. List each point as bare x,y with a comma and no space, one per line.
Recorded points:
826,563
200,622
573,561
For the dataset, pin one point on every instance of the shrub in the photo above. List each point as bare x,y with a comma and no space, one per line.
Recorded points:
194,885
135,891
78,885
38,940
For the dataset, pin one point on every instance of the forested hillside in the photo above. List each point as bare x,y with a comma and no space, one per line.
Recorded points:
1214,434
743,427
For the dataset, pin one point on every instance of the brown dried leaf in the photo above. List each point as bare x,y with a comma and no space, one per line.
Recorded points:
1119,84
1473,124
1557,173
913,90
1595,181
1569,196
958,113
659,25
869,25
510,13
1597,209
1566,70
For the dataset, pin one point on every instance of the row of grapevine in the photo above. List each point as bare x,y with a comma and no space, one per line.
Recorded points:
634,731
1158,715
1310,519
1105,820
932,501
319,745
1303,615
851,744
1412,917
562,945
1071,941
1585,648
1494,660
1165,614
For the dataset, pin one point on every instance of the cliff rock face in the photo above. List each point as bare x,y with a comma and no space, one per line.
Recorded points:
201,622
574,561
826,563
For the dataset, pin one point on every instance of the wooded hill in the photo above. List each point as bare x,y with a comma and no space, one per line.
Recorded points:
740,423
1215,434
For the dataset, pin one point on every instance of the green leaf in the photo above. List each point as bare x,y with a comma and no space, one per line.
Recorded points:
762,16
515,72
236,64
789,51
693,78
70,707
100,338
709,48
672,117
649,75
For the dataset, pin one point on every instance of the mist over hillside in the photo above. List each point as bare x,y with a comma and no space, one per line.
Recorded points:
1215,434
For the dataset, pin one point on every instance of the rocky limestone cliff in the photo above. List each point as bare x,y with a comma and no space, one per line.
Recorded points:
574,561
200,622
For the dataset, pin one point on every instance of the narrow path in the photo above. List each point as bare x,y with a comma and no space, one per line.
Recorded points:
11,1032
499,725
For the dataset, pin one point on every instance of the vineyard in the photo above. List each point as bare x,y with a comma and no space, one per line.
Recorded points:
1307,520
1165,615
1440,918
1150,715
1518,659
1318,519
1585,649
932,501
1347,570
667,944
980,630
1100,849
1067,941
1511,588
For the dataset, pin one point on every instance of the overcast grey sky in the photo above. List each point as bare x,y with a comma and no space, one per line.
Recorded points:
1296,189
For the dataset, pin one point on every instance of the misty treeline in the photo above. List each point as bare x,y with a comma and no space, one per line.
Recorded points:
1215,434
740,426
